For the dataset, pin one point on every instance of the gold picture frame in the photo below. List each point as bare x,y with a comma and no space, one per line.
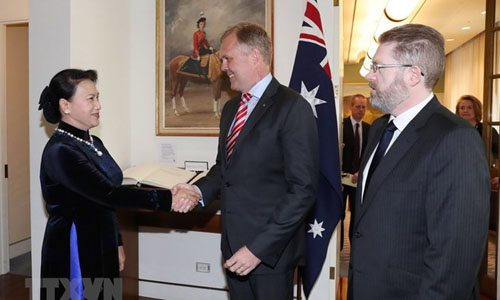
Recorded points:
176,25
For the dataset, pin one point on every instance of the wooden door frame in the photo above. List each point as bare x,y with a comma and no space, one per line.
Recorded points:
4,212
489,58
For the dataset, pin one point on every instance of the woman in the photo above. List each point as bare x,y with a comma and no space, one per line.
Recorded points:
201,46
80,184
470,108
194,66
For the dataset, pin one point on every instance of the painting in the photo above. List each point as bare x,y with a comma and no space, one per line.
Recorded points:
191,89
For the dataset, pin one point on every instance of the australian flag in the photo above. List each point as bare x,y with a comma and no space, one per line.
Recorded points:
312,78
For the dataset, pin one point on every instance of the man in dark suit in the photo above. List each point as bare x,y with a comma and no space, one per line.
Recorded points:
266,176
422,209
355,135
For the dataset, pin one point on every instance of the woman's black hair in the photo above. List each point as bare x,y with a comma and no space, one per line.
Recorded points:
202,19
63,85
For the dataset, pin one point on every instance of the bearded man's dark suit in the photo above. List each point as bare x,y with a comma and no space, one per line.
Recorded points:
270,182
421,229
348,160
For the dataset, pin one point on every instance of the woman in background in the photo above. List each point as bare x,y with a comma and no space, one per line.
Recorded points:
81,184
470,108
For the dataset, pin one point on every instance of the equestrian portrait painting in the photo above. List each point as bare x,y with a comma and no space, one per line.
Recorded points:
191,89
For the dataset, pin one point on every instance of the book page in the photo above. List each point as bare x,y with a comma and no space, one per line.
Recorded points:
136,174
167,177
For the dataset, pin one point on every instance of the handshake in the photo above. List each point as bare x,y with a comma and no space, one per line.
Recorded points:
185,197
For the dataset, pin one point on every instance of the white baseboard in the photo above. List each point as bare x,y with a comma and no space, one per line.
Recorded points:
19,248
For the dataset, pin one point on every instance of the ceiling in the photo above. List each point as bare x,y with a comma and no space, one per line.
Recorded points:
361,18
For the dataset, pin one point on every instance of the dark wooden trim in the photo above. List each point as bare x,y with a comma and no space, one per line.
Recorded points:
129,229
184,285
489,76
488,284
18,25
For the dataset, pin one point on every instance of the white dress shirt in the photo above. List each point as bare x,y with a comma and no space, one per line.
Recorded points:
400,122
256,91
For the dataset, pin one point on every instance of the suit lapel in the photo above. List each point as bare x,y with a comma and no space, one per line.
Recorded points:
371,143
376,133
262,106
365,136
389,162
349,132
393,157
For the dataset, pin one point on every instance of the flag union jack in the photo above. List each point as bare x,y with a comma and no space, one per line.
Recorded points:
311,76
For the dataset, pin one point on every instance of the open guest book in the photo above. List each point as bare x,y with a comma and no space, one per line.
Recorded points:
159,176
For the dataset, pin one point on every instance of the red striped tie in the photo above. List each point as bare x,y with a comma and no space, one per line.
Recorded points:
238,124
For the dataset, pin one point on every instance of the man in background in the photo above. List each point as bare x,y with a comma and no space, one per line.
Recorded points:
355,135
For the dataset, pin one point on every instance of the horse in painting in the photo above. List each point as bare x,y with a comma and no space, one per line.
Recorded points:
179,79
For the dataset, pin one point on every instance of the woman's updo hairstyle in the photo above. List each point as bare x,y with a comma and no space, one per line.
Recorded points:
63,85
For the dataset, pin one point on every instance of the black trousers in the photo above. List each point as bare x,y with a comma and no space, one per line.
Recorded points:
260,287
349,192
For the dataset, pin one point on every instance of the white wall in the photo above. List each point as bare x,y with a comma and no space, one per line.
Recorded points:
49,53
145,143
100,39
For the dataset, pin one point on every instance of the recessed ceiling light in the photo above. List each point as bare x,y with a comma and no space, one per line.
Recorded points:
450,40
398,10
483,12
465,28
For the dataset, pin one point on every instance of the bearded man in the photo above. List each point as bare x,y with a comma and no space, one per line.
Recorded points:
422,203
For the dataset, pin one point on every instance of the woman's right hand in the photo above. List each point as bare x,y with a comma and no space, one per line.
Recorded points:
185,197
